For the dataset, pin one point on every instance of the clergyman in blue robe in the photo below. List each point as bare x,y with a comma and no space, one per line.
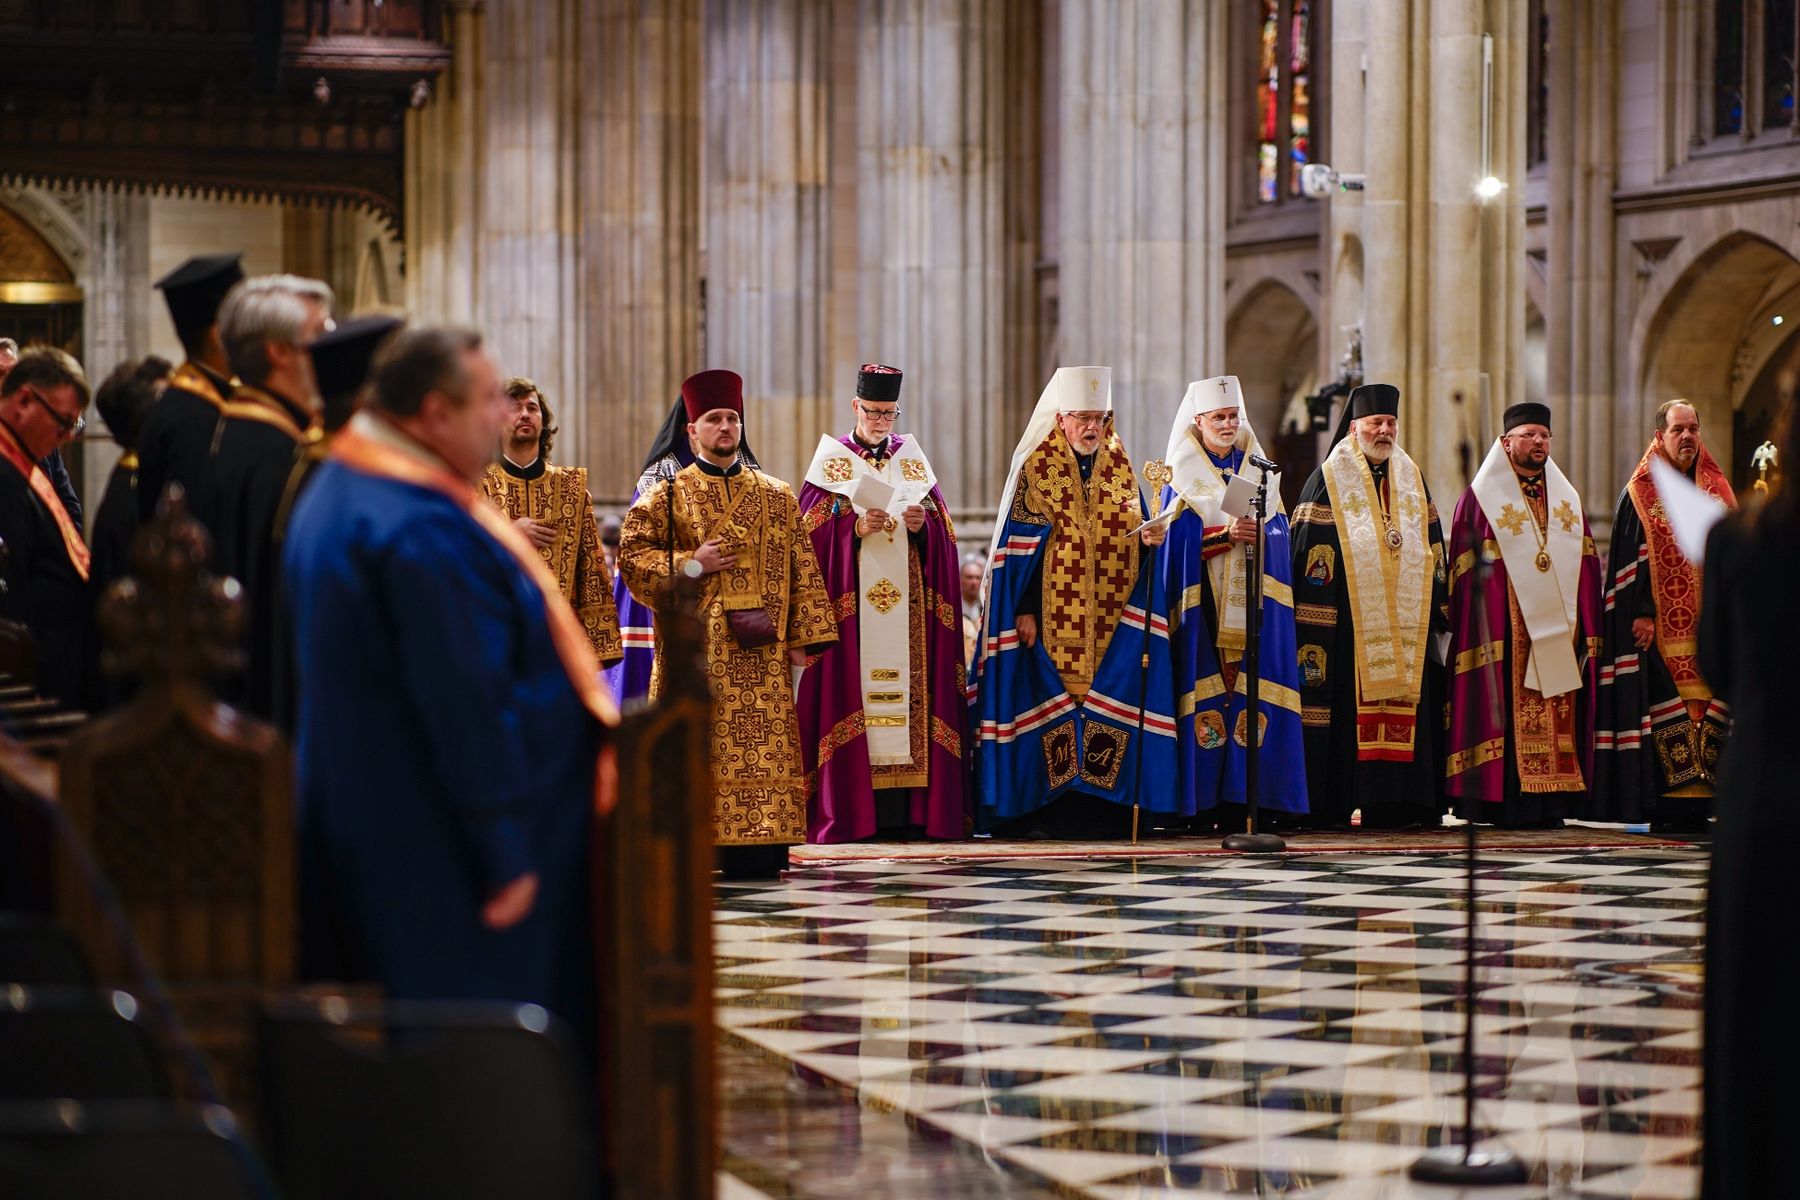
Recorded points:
1206,582
1074,707
449,720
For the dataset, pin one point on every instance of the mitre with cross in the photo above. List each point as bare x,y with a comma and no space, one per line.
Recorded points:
1198,483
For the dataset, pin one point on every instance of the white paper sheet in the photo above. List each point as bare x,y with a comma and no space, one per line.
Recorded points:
872,492
1239,495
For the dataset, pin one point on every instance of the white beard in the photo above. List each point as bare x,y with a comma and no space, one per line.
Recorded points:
1375,453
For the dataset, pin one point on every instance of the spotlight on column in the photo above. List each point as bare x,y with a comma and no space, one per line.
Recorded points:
1489,187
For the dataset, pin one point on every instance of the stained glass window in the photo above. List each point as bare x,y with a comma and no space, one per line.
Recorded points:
1268,102
1778,63
1728,67
1537,113
1299,93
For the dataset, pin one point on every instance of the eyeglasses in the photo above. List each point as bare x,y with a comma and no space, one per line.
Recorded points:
879,414
71,426
1087,418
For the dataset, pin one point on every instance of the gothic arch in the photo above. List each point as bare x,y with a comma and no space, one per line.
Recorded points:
49,219
1709,330
1272,346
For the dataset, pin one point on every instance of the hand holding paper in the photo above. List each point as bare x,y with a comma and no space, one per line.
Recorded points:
872,492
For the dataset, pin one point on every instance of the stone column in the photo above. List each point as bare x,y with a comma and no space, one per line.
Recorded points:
947,226
1141,274
443,145
767,249
640,189
1444,298
1579,283
552,201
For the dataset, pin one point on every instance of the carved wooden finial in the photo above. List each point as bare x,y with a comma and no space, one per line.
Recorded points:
172,619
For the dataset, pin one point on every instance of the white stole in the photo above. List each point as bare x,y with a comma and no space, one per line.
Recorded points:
884,586
1547,596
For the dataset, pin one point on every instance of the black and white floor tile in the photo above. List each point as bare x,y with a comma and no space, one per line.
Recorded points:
1229,1027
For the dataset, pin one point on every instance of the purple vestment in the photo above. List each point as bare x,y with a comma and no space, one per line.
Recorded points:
841,793
1503,759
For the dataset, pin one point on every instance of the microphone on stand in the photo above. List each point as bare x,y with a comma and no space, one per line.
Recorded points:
1261,463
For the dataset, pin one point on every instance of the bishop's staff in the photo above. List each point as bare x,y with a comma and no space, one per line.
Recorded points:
1157,474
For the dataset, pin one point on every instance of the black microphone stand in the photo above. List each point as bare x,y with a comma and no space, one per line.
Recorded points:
1250,841
1464,1165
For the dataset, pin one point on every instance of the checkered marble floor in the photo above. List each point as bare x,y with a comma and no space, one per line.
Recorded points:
1233,1027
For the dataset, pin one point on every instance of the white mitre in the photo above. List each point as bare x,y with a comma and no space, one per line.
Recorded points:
1186,454
1071,389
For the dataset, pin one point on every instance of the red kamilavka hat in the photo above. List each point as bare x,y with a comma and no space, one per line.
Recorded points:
712,389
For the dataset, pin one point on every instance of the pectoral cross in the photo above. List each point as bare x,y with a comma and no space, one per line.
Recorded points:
1512,519
1566,515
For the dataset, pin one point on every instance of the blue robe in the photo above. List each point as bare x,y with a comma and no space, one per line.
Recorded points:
442,751
1212,763
1033,738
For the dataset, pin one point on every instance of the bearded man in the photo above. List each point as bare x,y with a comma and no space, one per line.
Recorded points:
551,507
1211,443
1074,702
1525,631
1660,728
1370,599
763,609
882,711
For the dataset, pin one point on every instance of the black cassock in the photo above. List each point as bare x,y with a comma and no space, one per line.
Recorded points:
175,445
44,590
1750,654
109,541
1391,794
284,680
249,477
1631,776
115,522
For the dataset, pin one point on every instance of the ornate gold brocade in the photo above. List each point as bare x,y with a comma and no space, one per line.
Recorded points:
914,774
1543,730
1091,564
559,498
761,789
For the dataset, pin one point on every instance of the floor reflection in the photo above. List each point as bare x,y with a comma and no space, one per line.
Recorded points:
1217,1027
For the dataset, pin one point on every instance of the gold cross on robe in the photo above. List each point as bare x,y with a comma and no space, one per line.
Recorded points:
1512,519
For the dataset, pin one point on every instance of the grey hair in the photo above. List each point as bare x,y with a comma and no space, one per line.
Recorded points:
264,309
8,346
974,558
1663,410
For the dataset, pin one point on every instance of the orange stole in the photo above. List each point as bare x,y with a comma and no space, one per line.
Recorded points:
40,487
251,404
372,458
190,378
1674,581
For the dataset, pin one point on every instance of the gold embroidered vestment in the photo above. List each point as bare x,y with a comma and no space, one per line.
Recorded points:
757,773
559,498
